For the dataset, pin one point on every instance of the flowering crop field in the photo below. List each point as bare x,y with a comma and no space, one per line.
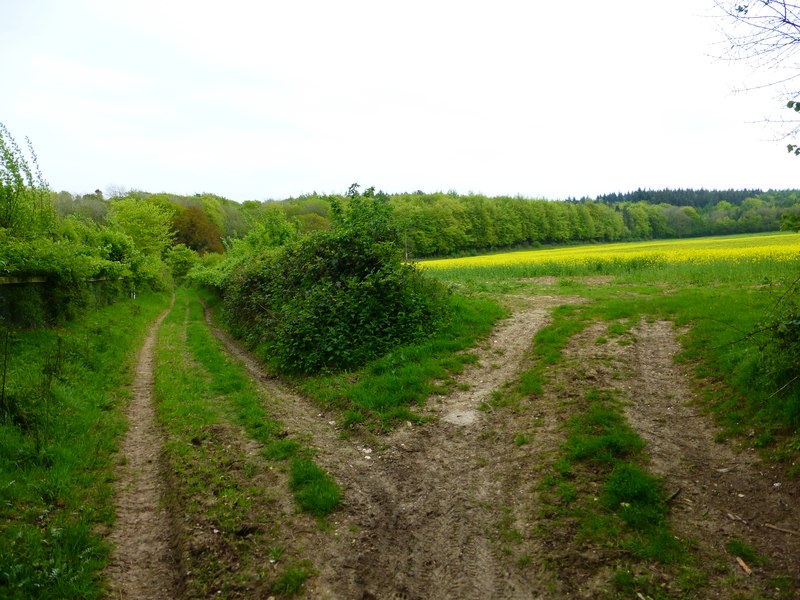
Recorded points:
749,257
779,247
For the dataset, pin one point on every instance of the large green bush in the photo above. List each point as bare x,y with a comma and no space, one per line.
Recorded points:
334,299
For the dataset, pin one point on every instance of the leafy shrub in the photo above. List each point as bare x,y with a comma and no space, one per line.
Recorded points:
59,267
780,356
335,299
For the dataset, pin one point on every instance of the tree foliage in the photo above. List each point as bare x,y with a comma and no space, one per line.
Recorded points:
194,229
181,259
148,224
272,229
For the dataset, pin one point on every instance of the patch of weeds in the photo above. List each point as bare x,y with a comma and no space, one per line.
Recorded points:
620,328
351,418
567,492
282,449
505,527
785,586
292,580
601,434
530,383
642,586
691,578
737,547
521,439
601,340
275,552
314,489
635,495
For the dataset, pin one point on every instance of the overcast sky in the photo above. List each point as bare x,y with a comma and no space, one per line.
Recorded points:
267,99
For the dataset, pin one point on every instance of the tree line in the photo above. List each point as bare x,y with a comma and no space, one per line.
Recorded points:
441,224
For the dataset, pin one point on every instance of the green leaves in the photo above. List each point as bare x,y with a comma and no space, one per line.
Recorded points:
148,225
26,208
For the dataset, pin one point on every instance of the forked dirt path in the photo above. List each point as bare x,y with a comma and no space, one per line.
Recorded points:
143,564
448,509
422,506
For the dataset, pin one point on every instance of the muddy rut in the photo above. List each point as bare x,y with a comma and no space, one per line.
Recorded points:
718,492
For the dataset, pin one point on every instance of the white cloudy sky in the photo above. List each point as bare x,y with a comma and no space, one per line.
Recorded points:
267,99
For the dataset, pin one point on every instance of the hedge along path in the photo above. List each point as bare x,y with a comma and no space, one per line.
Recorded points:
423,509
143,561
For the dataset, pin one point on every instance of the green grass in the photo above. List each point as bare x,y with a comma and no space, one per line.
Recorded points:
314,489
292,579
737,547
59,429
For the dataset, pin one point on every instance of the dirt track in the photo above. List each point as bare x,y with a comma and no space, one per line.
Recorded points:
449,509
143,563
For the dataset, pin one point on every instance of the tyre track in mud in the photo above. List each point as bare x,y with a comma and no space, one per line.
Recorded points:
420,511
143,561
719,493
722,493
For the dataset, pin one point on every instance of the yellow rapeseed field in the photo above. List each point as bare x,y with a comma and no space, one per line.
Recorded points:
779,247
